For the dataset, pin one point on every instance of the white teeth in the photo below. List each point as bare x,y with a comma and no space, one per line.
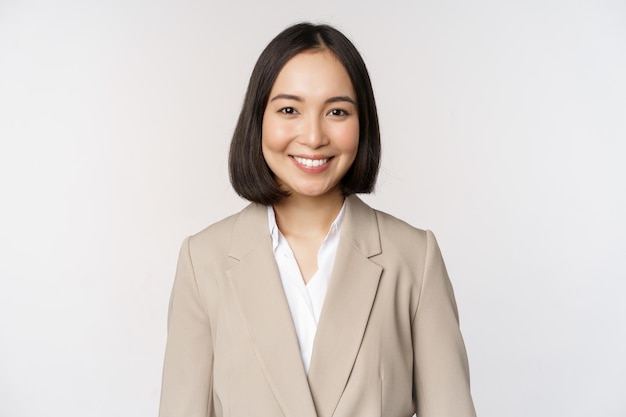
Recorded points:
310,163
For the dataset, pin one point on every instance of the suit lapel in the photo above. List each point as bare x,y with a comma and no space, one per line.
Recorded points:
256,284
349,299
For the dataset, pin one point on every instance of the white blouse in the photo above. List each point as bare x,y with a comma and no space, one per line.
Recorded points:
305,301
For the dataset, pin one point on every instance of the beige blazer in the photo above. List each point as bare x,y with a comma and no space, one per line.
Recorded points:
387,345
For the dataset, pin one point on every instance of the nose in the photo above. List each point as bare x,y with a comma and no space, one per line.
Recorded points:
314,135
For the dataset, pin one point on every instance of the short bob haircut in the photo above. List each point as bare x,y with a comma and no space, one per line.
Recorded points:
250,175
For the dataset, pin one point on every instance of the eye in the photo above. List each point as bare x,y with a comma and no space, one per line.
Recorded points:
338,112
288,110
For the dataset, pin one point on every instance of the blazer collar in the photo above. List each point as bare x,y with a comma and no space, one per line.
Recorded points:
359,228
349,299
256,283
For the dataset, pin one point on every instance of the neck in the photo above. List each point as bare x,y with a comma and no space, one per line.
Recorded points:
308,216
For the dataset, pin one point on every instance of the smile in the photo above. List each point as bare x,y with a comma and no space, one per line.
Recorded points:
311,163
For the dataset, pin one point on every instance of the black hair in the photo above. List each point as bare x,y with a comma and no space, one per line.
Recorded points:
250,176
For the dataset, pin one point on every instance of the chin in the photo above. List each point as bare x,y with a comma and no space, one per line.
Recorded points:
311,194
315,192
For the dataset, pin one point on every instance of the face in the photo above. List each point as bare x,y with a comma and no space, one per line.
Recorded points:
310,130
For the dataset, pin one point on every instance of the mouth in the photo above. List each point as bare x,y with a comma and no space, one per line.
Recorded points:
311,163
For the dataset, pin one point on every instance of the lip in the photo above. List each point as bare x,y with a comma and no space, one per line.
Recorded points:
312,163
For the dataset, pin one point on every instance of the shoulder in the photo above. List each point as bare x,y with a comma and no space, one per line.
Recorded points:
399,229
390,228
380,232
218,237
369,224
403,242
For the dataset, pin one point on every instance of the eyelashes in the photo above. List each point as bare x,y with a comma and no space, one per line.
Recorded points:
336,112
339,112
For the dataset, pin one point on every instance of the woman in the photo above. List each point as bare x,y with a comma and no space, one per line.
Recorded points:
308,302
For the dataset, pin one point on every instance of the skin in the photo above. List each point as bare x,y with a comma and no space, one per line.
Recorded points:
310,139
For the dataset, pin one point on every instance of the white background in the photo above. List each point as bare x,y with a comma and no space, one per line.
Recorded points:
504,130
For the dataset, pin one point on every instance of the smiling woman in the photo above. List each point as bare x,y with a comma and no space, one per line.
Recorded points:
311,126
308,302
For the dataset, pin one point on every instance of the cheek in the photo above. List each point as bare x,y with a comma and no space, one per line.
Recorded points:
275,135
348,137
267,136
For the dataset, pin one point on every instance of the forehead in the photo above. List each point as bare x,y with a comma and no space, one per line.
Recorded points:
314,72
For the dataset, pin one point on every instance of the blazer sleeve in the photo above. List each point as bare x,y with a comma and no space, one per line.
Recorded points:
441,372
186,389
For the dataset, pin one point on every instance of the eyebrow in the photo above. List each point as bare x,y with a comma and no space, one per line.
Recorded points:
301,100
